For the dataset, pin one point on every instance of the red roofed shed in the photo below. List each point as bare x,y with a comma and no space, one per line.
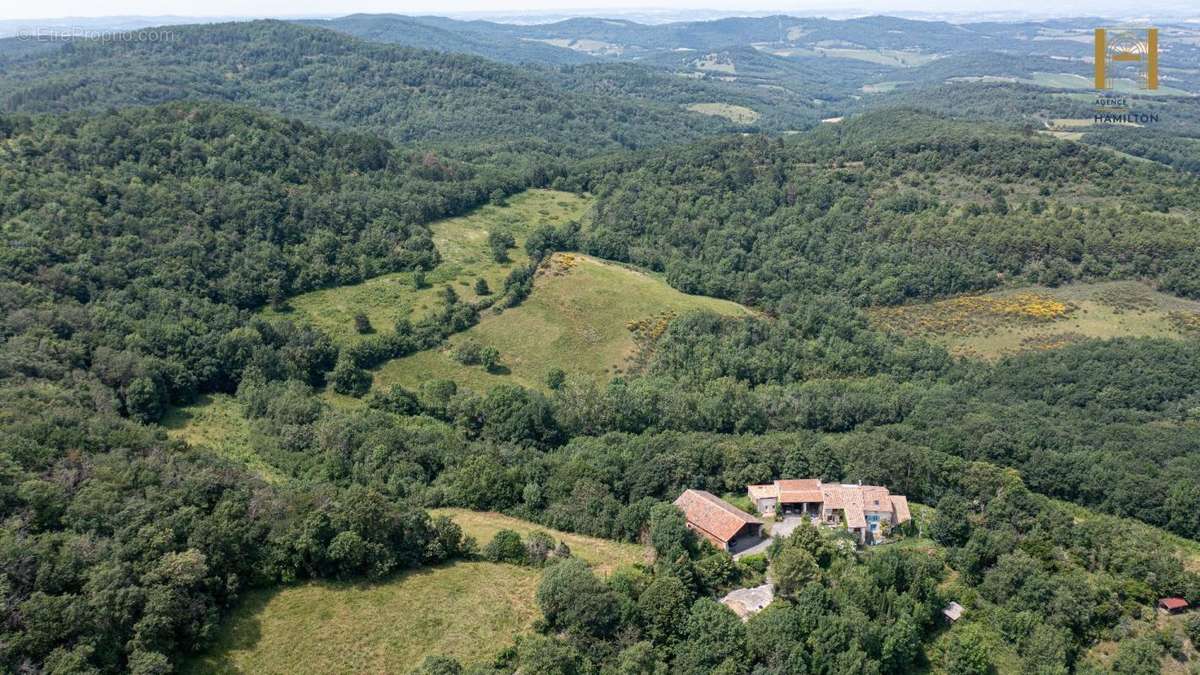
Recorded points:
1172,605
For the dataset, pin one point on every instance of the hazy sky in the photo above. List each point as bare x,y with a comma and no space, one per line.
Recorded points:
15,9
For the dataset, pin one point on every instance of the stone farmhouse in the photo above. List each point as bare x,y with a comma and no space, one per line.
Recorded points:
865,510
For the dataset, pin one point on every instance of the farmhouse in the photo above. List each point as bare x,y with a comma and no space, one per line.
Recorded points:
865,510
726,526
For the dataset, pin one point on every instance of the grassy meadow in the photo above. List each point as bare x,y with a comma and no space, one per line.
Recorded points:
585,316
468,610
462,243
1117,84
886,57
995,324
602,554
738,114
215,421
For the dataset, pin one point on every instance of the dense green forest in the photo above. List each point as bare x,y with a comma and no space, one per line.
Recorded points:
1026,106
1054,585
136,239
890,207
430,33
154,195
324,77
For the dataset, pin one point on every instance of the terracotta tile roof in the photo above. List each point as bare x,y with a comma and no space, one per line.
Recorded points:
856,500
831,495
852,502
762,491
803,490
875,498
1172,603
900,506
713,515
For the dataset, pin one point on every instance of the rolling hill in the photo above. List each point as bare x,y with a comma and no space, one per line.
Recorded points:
865,207
450,36
172,453
808,69
585,316
321,76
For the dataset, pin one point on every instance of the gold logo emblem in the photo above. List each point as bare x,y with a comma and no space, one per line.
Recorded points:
1118,46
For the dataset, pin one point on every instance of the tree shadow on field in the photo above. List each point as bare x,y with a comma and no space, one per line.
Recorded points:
241,630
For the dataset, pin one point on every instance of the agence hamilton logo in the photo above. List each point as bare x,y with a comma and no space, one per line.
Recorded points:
1116,49
1125,45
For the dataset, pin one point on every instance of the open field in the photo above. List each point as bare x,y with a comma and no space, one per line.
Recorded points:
1004,322
584,316
885,57
1118,84
468,610
738,114
215,421
604,555
882,87
462,243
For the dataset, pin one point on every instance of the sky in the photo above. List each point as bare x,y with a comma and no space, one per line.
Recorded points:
45,9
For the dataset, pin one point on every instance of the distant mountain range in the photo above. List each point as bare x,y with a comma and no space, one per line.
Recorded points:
585,85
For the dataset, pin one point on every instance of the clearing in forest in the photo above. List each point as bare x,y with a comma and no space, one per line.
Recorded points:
738,114
585,316
468,610
215,421
462,243
1005,322
602,554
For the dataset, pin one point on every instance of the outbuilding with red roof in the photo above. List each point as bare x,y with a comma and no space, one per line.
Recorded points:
1172,605
726,526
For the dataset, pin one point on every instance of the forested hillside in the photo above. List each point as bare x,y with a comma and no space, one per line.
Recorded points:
157,197
135,239
793,70
435,33
321,76
893,206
